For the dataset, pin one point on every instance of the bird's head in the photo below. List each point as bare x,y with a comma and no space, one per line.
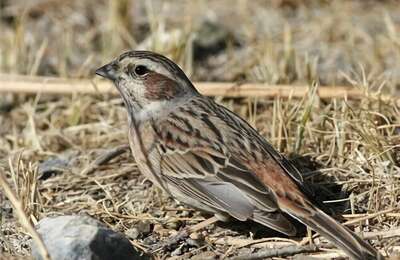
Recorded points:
147,81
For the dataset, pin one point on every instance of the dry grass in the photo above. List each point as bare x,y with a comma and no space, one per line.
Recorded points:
348,150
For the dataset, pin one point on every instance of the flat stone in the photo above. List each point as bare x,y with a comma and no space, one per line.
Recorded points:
82,237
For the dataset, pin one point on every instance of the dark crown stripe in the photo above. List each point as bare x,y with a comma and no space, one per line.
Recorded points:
167,63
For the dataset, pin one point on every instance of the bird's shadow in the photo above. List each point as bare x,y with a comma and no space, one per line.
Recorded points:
322,188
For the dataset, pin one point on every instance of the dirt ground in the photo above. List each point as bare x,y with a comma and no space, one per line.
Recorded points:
347,149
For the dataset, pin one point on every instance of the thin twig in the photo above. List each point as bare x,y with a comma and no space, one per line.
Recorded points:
369,216
30,84
276,252
203,224
104,158
23,218
382,234
183,234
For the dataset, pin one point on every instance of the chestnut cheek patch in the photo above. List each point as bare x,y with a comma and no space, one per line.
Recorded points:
160,87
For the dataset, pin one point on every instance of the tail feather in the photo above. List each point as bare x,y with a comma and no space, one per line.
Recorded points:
341,236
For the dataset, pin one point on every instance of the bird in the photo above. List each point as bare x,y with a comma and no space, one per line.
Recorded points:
206,156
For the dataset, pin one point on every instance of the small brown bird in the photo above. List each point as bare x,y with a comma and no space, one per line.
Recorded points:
208,157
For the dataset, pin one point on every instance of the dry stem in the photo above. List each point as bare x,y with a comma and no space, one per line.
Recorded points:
29,84
23,218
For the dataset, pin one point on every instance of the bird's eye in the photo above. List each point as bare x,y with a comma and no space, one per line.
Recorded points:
141,70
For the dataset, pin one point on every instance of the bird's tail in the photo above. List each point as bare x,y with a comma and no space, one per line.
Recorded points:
341,236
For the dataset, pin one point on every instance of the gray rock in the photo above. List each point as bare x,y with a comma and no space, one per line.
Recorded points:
82,237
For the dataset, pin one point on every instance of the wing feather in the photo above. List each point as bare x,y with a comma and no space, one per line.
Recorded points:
201,167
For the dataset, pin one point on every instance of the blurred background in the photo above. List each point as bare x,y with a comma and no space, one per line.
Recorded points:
277,41
348,149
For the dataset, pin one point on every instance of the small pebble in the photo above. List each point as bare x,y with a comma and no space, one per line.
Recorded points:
132,233
173,223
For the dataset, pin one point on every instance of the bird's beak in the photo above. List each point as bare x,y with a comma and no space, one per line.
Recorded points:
108,71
